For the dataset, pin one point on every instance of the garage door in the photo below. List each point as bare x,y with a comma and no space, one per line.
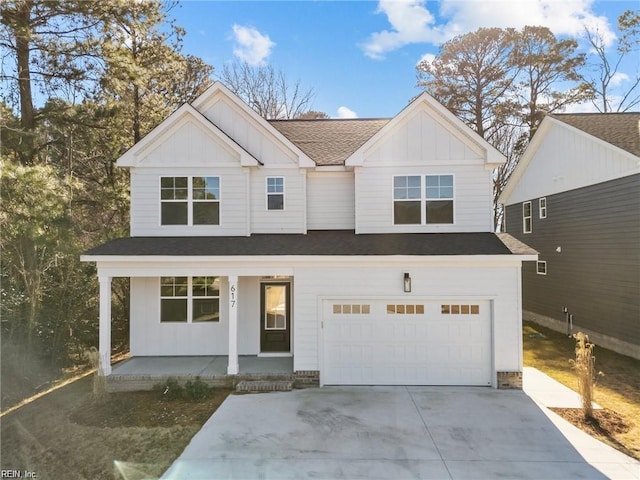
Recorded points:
400,342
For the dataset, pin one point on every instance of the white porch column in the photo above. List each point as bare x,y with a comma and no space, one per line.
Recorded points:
233,368
105,325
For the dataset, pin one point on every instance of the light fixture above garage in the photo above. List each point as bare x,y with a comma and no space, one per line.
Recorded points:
407,283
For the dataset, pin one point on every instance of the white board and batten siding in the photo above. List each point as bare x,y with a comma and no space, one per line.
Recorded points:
330,201
585,161
255,138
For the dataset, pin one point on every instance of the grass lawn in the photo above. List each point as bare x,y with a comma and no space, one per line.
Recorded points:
67,435
617,390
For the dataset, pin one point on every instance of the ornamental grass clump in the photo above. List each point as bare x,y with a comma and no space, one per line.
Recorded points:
100,392
584,365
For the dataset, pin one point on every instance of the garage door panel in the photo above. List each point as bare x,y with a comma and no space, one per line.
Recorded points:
408,343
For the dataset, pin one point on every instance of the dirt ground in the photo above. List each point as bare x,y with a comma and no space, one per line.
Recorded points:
68,435
604,425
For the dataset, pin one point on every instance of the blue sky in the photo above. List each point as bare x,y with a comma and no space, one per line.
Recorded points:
360,56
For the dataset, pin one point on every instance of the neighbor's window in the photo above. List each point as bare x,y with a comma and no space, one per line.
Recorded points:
275,193
423,200
542,207
526,217
541,268
190,299
190,200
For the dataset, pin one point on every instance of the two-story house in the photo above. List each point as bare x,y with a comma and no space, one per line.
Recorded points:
363,248
575,198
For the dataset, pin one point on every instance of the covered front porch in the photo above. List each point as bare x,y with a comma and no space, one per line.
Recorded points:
143,373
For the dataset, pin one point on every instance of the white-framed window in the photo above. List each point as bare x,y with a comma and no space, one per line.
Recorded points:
423,199
542,207
541,267
526,217
189,200
189,299
275,193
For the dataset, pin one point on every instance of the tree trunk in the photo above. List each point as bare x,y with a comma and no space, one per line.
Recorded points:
23,40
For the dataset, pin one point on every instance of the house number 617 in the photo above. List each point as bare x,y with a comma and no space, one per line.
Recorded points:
232,289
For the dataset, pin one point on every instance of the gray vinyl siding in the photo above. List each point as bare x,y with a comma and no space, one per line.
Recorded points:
597,273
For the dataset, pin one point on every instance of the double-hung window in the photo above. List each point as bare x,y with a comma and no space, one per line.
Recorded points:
526,217
439,201
189,299
275,193
423,199
542,207
190,200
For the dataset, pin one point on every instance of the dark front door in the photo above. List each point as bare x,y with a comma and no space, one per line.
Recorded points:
275,322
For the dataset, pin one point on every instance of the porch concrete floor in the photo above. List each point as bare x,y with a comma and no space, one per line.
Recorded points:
201,366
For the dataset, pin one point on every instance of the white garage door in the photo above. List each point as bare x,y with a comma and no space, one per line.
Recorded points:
406,342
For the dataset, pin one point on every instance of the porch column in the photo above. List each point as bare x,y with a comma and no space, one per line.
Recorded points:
105,325
233,368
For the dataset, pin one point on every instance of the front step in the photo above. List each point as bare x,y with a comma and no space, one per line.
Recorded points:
260,386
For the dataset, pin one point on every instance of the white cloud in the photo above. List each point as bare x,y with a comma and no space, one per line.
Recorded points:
618,79
426,58
251,46
412,22
344,112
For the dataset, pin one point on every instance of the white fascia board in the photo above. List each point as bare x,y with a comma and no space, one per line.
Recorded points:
304,161
311,260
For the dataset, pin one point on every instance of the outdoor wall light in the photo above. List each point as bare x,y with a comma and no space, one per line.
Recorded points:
407,283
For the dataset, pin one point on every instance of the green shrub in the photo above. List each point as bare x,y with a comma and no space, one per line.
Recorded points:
170,389
196,390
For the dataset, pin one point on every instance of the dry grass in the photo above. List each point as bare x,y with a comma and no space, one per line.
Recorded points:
617,390
68,434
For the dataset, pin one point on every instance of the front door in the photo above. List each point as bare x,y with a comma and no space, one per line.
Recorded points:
275,324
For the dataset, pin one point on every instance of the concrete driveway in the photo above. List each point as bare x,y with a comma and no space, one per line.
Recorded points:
388,433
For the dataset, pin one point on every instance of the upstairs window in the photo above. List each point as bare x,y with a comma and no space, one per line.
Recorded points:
423,200
439,204
526,217
407,200
542,207
190,200
275,193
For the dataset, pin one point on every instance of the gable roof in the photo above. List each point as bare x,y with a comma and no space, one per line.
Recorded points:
131,157
445,117
329,141
619,129
218,87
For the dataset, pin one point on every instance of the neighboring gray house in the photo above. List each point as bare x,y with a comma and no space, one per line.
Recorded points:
575,198
363,250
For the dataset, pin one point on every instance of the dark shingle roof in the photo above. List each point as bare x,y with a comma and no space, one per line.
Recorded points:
320,242
329,142
619,129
